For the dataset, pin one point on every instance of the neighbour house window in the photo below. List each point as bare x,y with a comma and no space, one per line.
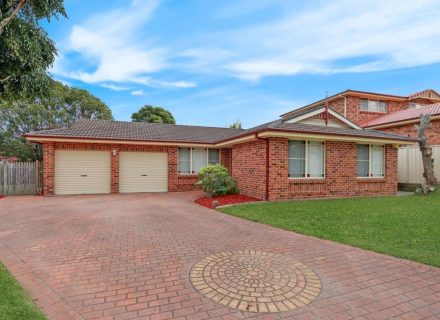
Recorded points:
306,159
191,160
370,161
373,105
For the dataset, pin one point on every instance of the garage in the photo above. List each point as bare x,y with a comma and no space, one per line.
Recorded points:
143,172
82,172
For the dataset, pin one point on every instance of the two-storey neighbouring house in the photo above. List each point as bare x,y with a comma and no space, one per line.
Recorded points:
389,113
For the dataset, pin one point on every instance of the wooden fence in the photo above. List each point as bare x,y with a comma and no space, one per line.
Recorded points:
18,178
411,166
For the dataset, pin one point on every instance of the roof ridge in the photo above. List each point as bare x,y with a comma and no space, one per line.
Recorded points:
160,124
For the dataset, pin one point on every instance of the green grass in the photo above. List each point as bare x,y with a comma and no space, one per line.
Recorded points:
14,302
406,227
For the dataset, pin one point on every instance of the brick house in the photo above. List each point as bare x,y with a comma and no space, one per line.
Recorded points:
312,152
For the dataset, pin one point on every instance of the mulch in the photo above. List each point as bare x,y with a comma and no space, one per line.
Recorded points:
225,200
1,197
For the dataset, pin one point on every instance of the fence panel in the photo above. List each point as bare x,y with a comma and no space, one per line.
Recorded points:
411,166
19,178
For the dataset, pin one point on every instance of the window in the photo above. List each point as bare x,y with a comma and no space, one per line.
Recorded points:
191,160
370,161
373,105
306,159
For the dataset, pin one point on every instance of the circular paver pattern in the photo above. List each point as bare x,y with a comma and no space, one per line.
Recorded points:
255,281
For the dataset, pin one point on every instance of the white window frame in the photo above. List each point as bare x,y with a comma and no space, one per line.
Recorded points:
191,171
306,160
370,161
368,105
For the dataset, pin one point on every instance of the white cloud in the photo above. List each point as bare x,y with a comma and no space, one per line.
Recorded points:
114,87
329,37
113,44
139,92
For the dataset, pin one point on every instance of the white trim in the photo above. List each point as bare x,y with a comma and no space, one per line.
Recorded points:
322,110
309,136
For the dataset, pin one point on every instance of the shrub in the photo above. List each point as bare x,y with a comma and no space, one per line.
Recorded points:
216,180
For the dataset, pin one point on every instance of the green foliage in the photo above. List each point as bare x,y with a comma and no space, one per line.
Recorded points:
60,107
216,180
406,226
14,302
153,115
26,52
236,125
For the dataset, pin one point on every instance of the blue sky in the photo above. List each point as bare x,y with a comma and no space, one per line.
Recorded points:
213,62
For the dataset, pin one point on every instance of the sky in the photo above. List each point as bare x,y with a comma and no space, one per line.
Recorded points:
213,62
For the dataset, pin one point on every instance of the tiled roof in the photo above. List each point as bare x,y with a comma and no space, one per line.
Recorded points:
140,131
279,125
403,115
421,94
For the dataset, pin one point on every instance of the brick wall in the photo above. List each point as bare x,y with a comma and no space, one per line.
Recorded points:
340,168
249,168
433,134
356,115
176,182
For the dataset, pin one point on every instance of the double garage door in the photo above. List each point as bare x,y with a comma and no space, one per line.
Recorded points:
89,172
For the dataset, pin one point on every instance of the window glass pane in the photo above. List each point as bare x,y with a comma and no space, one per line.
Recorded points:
363,104
362,169
362,160
198,159
213,156
382,106
316,159
297,149
373,106
184,160
297,168
362,151
377,161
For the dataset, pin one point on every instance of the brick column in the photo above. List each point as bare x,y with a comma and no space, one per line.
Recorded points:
391,170
173,179
115,169
48,168
278,169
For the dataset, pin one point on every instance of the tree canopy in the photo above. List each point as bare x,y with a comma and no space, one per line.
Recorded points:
153,115
236,125
26,51
60,107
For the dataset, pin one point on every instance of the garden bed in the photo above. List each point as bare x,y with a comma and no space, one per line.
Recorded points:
225,200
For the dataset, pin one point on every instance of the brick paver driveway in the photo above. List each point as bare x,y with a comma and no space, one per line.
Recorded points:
131,256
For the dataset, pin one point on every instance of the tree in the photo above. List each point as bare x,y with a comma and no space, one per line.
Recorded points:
426,150
60,107
153,115
26,52
236,125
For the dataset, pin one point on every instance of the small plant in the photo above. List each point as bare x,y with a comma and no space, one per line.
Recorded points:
216,180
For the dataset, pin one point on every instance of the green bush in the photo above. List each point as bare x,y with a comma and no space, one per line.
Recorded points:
216,180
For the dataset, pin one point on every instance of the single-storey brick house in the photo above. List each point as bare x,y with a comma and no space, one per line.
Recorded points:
313,152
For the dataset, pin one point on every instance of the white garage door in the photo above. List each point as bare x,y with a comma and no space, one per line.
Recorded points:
143,172
82,172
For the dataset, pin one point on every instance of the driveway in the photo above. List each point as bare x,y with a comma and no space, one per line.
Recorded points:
160,256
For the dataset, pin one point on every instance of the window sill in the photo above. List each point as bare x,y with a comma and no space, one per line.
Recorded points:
370,179
307,180
373,112
187,175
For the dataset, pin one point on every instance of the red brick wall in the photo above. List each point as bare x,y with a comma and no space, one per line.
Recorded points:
249,168
433,134
176,182
353,111
340,168
226,158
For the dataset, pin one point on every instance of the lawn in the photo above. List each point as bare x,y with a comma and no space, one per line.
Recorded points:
406,227
14,302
